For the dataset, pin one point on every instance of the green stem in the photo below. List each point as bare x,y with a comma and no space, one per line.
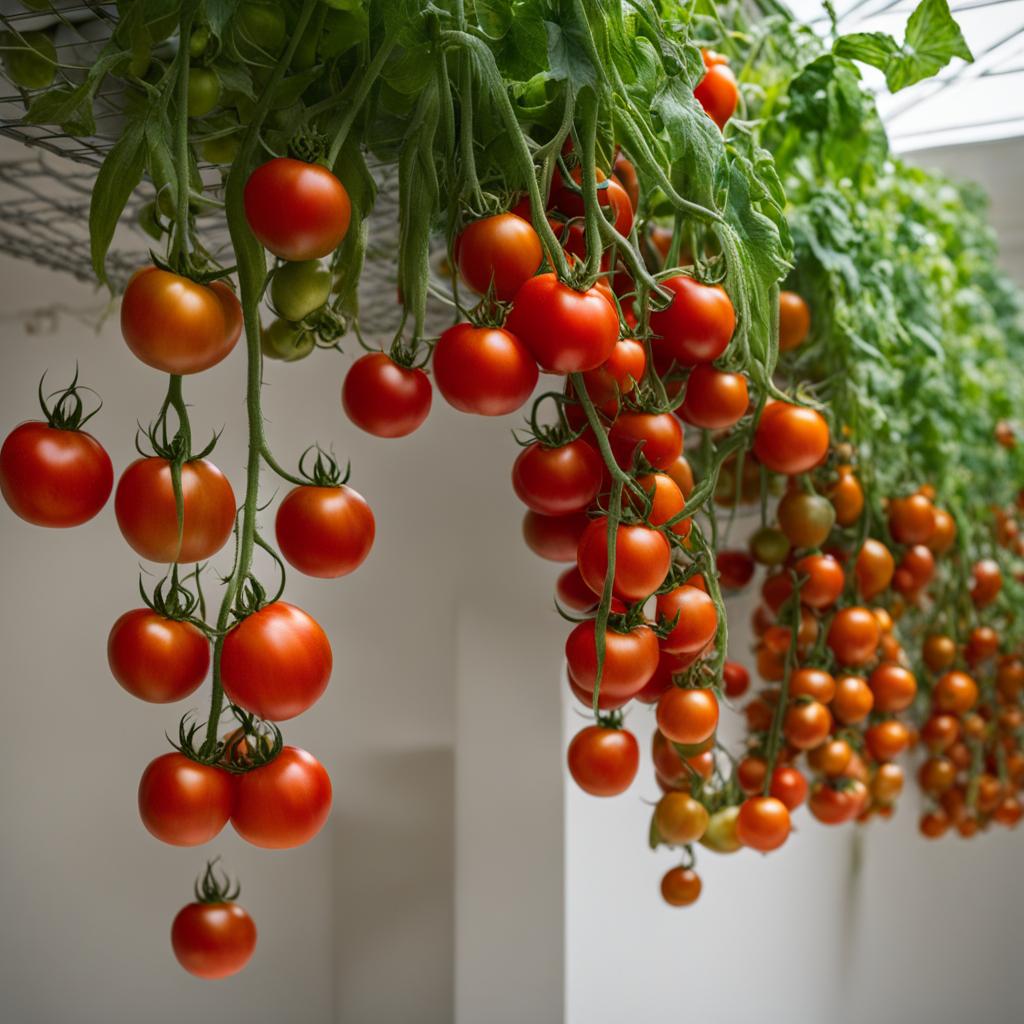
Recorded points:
179,250
775,732
364,82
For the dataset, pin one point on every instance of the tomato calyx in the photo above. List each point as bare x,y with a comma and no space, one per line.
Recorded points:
309,145
254,744
211,889
177,603
252,595
325,471
550,435
68,411
200,271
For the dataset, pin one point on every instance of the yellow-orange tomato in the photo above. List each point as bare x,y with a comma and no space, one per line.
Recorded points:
680,887
680,819
853,636
847,497
831,758
806,724
940,732
886,740
938,652
911,519
887,783
874,568
794,320
893,686
812,682
853,700
944,534
955,692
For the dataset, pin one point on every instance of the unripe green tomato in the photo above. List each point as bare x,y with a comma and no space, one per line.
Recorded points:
769,546
203,91
198,41
259,31
720,835
284,341
34,64
297,289
221,150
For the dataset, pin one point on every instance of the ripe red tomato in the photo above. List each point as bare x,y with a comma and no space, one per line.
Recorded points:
148,518
557,481
276,662
688,716
53,477
667,502
853,636
847,497
812,682
807,724
790,439
213,940
284,803
617,375
834,806
680,887
718,93
177,325
502,252
325,532
852,701
298,211
735,569
714,399
911,519
182,802
915,571
157,659
384,398
573,593
602,761
555,538
874,568
630,659
697,619
794,321
955,692
789,786
823,580
986,582
763,823
659,437
944,532
483,370
886,740
565,330
642,559
698,323
735,679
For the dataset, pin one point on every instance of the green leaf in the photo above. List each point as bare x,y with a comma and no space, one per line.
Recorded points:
218,14
933,40
567,56
874,48
236,78
343,30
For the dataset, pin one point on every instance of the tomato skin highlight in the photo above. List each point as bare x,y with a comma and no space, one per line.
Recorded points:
642,559
565,331
276,662
603,762
284,803
156,659
790,439
177,325
483,370
51,477
557,481
182,802
697,325
383,398
213,940
326,532
503,250
148,518
298,211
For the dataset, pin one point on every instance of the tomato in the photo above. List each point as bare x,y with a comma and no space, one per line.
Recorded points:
659,436
148,518
853,700
763,823
325,532
501,252
886,740
815,683
696,619
157,659
831,758
603,761
790,439
832,805
823,580
630,659
298,289
874,568
555,538
177,325
572,591
735,569
940,732
847,497
384,398
887,783
789,786
853,636
667,502
182,802
807,724
213,940
688,716
912,519
276,662
680,887
794,321
682,473
955,692
642,559
714,399
53,477
697,325
259,31
483,370
680,819
982,644
915,571
718,93
944,533
894,687
770,547
618,375
298,211
721,832
29,58
1009,812
286,341
939,652
986,582
557,481
735,679
806,519
566,331
284,803
203,91
936,775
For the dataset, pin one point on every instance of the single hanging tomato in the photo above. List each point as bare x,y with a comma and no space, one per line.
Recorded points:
763,823
384,398
658,436
213,940
148,517
618,375
986,582
874,568
183,802
566,331
284,803
642,559
789,786
157,659
667,502
325,532
794,321
680,818
630,659
714,399
911,519
790,439
603,761
735,679
502,252
680,887
177,325
718,93
854,635
687,716
298,211
276,662
698,323
806,519
697,620
483,370
559,480
823,580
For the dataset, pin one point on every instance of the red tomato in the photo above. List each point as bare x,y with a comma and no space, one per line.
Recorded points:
603,761
735,569
148,517
853,636
276,662
565,330
383,398
617,375
698,323
986,582
658,436
502,252
911,519
556,538
790,439
688,716
298,211
718,93
642,559
630,659
177,325
325,532
573,593
680,887
874,568
789,786
807,724
823,580
794,321
832,806
667,502
182,802
763,823
735,679
157,659
483,370
605,702
213,940
955,692
697,619
284,803
557,481
714,400
53,477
